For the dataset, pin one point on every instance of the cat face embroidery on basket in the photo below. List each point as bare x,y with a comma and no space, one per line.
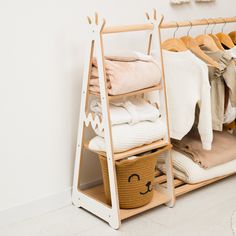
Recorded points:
135,180
136,177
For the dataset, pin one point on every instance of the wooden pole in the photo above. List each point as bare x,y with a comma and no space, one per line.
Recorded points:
127,28
168,25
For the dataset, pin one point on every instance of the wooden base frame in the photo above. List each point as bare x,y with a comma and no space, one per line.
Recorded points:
182,188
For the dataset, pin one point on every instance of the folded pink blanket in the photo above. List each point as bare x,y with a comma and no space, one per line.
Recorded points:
127,74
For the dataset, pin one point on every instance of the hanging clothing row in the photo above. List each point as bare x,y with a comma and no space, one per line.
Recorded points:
201,88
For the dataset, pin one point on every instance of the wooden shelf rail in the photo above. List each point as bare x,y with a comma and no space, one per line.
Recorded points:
167,25
221,20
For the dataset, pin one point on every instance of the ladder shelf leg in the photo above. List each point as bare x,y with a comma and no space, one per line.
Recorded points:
81,125
114,217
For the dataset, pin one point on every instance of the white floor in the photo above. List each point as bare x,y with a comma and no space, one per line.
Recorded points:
204,212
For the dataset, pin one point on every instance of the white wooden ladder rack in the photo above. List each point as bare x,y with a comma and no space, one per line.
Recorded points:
92,199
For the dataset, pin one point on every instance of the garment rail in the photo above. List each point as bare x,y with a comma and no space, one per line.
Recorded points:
200,22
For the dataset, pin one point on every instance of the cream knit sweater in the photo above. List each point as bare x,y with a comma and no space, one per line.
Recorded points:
187,85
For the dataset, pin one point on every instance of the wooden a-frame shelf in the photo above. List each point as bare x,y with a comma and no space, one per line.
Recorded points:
93,199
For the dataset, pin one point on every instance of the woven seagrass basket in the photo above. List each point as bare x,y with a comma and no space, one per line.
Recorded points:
135,179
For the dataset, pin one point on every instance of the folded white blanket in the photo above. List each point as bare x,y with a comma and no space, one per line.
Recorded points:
128,110
190,172
118,115
127,136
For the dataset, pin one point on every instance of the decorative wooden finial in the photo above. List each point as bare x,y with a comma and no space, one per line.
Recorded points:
96,22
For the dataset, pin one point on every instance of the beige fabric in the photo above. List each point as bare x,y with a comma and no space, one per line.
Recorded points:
222,77
127,74
223,148
188,171
95,82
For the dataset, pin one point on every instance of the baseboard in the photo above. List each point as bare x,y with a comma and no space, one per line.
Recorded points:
35,208
40,206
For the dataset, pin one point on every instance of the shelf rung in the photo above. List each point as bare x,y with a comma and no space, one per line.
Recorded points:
141,91
162,144
144,148
177,183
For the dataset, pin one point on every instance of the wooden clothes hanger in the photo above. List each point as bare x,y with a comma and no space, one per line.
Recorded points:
232,35
224,38
174,44
214,37
193,46
206,40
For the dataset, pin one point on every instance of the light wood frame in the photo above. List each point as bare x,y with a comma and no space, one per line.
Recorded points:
199,22
92,199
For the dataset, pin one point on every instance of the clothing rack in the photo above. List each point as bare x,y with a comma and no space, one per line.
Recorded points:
180,186
167,25
93,199
213,21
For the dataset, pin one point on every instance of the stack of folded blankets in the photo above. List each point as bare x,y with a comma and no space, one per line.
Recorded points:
192,164
134,121
126,74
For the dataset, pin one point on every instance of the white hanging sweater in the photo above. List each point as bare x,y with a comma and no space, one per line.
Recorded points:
187,85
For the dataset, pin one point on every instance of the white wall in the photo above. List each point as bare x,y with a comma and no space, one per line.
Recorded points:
41,61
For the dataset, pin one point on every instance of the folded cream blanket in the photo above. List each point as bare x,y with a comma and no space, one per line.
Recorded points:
126,136
127,74
190,172
118,114
223,148
128,110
